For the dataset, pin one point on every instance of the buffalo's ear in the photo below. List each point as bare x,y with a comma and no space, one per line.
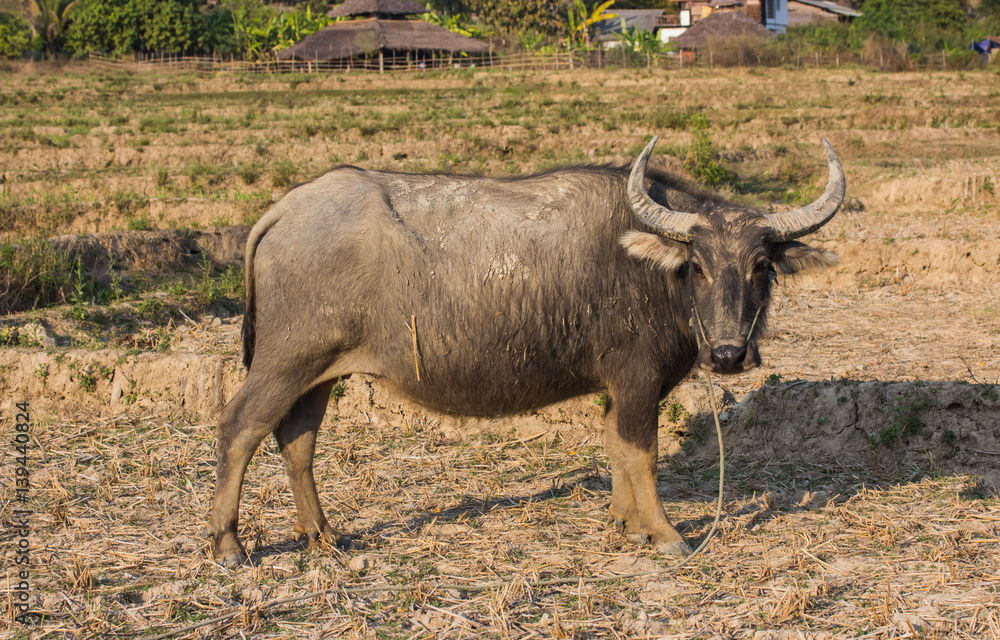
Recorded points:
792,257
667,253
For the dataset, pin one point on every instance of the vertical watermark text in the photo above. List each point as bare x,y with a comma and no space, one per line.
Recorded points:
20,519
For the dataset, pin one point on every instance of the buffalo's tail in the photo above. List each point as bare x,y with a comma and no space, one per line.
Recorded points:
249,280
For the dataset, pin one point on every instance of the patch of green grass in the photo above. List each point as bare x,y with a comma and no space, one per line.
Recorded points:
695,433
949,437
140,223
673,411
211,287
248,173
87,382
204,173
34,273
161,178
906,422
701,159
672,119
128,203
283,173
8,336
150,310
158,124
338,390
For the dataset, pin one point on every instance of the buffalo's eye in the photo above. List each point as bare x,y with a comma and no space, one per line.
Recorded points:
697,269
761,267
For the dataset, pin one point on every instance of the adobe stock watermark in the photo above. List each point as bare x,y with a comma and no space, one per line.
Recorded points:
20,518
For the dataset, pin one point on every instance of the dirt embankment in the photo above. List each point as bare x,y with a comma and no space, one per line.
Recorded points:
941,426
161,250
924,262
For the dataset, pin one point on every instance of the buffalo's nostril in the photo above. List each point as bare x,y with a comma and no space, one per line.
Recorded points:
728,357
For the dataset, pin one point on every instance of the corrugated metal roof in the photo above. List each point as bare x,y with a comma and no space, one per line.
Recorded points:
832,7
641,19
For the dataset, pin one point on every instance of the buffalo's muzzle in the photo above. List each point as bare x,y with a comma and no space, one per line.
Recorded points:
728,358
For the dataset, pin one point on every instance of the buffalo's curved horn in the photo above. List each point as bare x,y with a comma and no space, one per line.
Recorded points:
667,222
794,224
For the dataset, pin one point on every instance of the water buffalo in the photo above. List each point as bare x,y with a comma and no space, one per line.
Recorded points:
525,291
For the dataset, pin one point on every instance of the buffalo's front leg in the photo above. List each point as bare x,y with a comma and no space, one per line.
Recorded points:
630,429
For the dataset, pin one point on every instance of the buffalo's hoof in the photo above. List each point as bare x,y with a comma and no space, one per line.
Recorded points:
339,541
226,548
618,525
674,548
638,538
318,541
324,537
233,560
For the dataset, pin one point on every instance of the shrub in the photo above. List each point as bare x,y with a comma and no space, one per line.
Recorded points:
248,174
283,173
700,160
120,27
107,26
15,35
204,173
34,273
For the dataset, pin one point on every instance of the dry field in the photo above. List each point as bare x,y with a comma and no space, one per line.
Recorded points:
863,459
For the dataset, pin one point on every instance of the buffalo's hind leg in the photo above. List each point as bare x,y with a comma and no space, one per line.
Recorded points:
296,438
256,410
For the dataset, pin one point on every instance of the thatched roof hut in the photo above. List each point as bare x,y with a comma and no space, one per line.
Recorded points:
366,37
377,9
384,29
722,25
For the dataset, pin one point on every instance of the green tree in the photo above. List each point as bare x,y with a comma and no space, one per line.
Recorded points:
520,16
898,19
121,27
219,34
925,25
15,35
170,26
51,19
260,34
105,26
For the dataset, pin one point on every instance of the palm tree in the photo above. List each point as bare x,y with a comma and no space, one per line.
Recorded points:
51,18
580,21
